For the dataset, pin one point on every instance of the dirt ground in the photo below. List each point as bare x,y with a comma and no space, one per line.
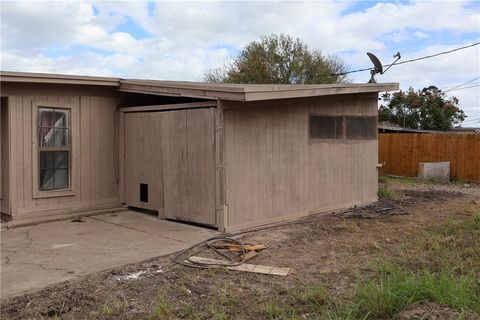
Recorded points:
322,249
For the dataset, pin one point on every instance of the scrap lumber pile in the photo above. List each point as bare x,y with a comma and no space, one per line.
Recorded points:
228,253
377,210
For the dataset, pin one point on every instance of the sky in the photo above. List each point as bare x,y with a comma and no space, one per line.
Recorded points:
182,40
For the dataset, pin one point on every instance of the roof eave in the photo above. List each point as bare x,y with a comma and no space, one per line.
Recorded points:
326,91
178,91
23,77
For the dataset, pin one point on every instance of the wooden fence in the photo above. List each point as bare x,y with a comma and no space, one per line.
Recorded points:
401,153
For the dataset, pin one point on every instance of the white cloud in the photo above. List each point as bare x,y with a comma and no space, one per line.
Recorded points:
189,38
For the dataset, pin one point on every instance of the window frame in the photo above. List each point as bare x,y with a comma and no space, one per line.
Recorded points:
343,137
72,149
54,149
374,118
340,123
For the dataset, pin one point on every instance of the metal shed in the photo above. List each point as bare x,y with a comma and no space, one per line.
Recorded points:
229,156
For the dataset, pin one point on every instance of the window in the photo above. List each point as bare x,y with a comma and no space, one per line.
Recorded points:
342,127
54,148
361,128
325,127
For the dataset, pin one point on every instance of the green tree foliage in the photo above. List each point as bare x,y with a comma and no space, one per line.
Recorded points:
279,59
427,109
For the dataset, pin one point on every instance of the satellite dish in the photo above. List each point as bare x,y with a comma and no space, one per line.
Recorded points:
378,67
376,62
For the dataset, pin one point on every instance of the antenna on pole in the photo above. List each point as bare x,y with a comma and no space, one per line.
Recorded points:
378,67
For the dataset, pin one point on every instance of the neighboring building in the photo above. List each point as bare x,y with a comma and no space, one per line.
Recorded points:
229,156
390,128
466,130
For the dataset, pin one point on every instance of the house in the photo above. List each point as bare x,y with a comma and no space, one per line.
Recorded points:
230,156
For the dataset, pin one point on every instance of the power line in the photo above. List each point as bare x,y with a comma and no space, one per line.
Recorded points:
438,54
472,120
408,61
461,85
472,86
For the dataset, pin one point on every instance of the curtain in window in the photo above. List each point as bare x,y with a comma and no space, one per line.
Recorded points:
53,130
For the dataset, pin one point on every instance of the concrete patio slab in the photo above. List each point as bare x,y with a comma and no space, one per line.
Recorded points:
35,256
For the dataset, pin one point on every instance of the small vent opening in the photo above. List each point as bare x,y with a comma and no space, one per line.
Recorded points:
143,192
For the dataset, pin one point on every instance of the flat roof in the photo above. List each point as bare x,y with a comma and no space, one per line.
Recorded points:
30,77
214,91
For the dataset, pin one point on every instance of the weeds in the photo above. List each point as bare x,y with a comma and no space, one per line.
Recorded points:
443,269
398,287
215,313
161,311
444,272
315,297
406,180
383,192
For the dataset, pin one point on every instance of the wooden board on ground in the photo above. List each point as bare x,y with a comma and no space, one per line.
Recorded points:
276,271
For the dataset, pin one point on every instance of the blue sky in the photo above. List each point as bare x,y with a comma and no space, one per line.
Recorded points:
181,40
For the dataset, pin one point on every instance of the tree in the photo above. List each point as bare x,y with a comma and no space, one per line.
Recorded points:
427,109
279,59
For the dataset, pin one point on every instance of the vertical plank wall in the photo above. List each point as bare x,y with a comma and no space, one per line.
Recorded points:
93,169
174,153
143,159
187,140
4,154
273,170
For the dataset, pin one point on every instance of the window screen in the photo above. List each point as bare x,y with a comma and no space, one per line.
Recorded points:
361,128
325,127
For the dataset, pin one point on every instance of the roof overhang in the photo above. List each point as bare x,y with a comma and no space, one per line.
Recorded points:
212,91
248,92
28,77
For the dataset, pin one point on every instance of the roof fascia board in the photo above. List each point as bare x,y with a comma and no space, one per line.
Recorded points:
301,93
6,76
180,92
186,85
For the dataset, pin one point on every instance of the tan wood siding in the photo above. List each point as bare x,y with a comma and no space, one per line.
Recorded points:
273,170
174,153
92,152
143,159
4,158
189,165
219,172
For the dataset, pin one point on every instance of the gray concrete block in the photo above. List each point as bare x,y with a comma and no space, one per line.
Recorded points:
434,170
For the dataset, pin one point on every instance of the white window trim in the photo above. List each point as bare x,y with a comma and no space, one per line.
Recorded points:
74,150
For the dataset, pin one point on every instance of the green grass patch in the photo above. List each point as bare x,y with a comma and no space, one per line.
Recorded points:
383,192
441,265
161,311
397,287
406,180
